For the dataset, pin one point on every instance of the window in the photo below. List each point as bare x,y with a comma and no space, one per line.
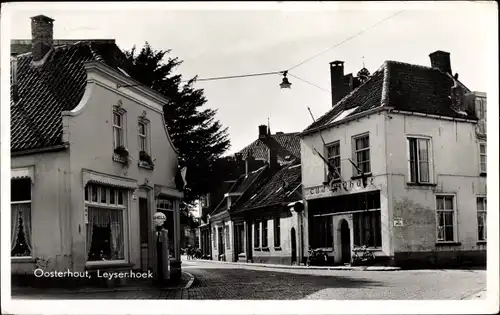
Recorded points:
333,157
482,157
106,226
21,218
418,160
445,218
214,238
277,232
228,245
361,150
264,233
367,229
143,136
166,205
322,232
256,234
118,128
481,218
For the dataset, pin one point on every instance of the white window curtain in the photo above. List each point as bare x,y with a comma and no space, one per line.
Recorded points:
21,212
104,218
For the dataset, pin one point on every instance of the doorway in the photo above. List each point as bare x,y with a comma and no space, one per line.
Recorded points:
293,239
144,231
345,238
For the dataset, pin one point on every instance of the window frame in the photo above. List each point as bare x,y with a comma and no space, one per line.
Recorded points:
256,234
265,233
109,206
430,164
120,112
454,212
485,154
227,236
333,158
360,231
30,202
146,137
277,231
356,151
485,229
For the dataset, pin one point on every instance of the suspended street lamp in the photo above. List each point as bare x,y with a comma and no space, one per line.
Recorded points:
285,84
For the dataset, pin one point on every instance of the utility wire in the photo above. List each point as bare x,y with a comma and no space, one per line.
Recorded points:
303,80
345,40
299,64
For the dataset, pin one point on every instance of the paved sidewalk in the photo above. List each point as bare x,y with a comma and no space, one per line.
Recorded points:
275,266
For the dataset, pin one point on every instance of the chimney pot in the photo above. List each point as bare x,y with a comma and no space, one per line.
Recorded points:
262,132
42,34
441,60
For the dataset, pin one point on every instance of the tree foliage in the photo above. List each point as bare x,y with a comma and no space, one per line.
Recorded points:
195,132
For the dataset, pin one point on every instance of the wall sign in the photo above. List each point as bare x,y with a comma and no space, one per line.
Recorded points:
348,185
134,197
398,222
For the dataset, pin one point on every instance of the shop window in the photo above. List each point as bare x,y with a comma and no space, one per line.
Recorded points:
367,229
277,232
106,232
21,218
228,245
481,218
445,212
322,232
361,153
214,238
264,233
166,206
256,234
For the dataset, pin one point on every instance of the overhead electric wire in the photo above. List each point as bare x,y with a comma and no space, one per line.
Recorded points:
303,80
238,76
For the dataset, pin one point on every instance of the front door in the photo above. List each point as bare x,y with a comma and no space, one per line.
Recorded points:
221,243
293,239
144,232
345,237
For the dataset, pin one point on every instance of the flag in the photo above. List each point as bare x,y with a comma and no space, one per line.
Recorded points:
183,174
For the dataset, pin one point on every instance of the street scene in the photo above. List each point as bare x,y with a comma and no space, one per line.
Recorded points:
249,152
225,281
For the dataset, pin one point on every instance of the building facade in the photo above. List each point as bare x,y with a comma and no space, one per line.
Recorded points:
408,161
79,204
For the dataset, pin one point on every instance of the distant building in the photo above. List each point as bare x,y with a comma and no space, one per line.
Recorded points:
90,162
408,175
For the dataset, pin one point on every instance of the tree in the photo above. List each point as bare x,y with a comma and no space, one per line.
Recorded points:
199,137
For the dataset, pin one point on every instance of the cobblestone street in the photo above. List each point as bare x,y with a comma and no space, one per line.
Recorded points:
219,281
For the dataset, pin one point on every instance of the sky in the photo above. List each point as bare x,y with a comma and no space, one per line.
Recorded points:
215,39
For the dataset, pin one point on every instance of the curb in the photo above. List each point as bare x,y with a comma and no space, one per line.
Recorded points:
372,268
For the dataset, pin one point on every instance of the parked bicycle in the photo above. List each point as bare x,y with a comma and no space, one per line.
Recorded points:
362,255
316,257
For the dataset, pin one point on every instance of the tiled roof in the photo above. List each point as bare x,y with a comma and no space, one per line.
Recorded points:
43,93
403,86
241,186
286,145
279,188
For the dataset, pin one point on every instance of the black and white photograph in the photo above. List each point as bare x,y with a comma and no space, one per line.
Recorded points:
324,157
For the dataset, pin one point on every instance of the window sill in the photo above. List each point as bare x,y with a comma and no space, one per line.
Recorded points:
371,249
481,242
441,244
482,174
359,176
257,249
26,260
335,181
277,248
145,165
325,249
265,249
421,184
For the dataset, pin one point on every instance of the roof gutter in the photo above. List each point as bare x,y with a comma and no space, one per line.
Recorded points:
432,116
54,148
345,120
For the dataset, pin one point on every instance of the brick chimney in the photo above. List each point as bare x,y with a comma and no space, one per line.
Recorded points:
340,82
441,60
262,132
42,36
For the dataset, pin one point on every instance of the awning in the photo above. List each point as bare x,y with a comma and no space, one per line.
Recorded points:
108,180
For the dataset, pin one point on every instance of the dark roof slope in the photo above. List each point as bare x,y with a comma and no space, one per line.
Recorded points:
286,145
279,188
43,93
403,86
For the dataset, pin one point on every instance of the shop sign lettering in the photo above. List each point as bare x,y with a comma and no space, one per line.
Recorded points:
335,186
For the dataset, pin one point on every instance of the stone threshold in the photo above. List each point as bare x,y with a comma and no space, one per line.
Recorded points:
357,268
